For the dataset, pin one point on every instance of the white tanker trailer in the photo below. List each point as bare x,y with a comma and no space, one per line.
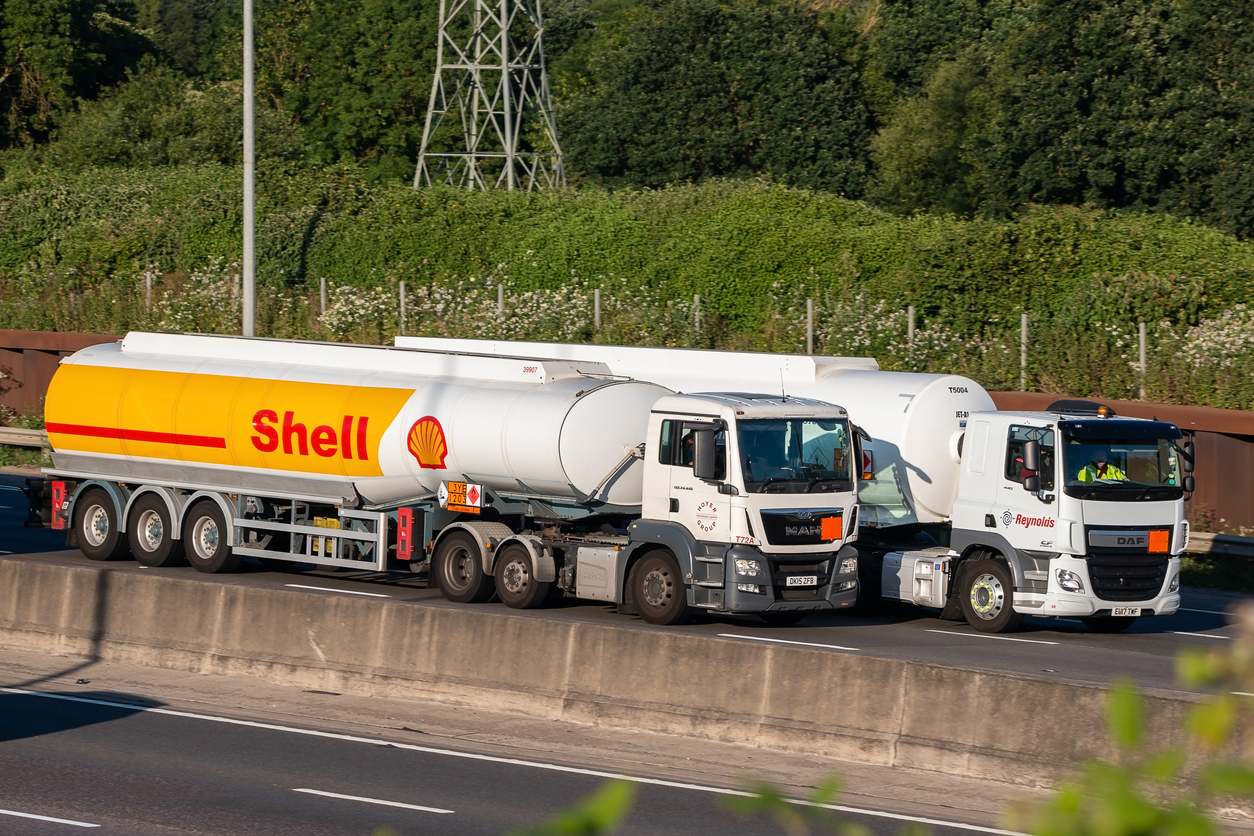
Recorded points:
952,515
500,475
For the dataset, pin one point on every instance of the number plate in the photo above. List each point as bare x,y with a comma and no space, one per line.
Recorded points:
803,580
1118,611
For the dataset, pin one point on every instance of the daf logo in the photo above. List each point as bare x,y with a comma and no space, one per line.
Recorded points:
1136,540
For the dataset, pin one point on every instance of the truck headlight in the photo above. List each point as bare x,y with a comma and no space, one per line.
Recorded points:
748,568
749,587
1070,581
1174,586
849,564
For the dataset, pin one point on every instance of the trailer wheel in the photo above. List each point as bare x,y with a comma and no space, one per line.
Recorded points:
206,541
658,589
515,583
151,533
96,524
459,570
1109,624
988,597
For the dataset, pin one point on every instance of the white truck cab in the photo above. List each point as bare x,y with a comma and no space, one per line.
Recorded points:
1073,512
755,496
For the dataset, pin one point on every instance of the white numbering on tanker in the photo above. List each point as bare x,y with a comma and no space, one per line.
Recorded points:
461,496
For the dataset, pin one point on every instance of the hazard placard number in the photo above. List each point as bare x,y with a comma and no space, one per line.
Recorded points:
463,497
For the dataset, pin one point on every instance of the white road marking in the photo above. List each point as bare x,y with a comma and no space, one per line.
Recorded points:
2,551
1202,635
11,488
987,636
785,641
47,818
552,767
1241,693
1208,612
373,801
345,591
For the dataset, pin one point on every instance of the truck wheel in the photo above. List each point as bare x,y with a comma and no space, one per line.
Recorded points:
151,533
988,597
658,589
1107,624
96,524
515,583
459,570
205,539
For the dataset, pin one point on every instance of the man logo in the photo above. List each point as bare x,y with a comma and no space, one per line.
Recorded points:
1007,518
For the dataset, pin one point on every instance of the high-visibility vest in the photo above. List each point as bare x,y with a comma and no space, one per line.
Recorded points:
1089,473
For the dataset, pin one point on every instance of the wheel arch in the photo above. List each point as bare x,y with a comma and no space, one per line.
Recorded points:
487,535
543,566
115,492
175,503
228,513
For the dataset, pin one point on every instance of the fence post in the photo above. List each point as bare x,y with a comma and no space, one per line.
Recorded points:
910,325
148,290
696,312
402,308
500,300
809,326
323,292
1141,333
596,308
1023,354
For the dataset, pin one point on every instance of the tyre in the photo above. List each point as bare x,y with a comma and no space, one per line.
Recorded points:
151,533
782,619
459,570
206,539
515,583
988,597
96,525
1107,624
658,589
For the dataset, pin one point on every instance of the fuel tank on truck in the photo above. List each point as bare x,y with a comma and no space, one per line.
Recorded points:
915,420
342,423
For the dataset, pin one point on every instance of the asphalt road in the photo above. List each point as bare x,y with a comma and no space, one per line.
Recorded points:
1043,648
100,762
1046,648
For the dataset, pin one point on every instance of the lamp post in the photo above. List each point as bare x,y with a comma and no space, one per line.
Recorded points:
249,327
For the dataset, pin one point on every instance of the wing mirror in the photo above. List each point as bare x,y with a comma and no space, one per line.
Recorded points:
1032,462
704,460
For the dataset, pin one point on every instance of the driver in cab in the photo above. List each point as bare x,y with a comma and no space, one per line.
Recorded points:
1099,468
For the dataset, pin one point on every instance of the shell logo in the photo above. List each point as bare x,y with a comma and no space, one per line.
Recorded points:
427,443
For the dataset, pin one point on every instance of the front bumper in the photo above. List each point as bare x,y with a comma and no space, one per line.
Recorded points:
834,590
1059,602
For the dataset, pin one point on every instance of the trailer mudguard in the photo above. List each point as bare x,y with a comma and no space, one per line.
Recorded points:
488,535
542,565
115,491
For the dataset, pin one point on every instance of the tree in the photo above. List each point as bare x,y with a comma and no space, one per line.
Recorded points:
54,51
704,89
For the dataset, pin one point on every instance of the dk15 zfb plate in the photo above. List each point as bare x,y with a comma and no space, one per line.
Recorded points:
804,580
1116,612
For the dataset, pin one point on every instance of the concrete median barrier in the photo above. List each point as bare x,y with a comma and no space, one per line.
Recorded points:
839,706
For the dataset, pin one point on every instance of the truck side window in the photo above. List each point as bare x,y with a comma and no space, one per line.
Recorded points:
665,453
1014,454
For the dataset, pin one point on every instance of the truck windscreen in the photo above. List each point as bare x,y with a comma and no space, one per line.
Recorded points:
795,455
1105,461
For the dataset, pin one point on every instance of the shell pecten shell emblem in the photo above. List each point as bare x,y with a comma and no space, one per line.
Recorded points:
427,443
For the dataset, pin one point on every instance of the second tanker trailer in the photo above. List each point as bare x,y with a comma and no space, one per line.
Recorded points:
502,475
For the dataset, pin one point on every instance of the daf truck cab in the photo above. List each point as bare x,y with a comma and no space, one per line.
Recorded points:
1073,512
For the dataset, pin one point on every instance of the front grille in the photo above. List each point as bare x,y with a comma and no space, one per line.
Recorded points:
1127,577
802,593
800,527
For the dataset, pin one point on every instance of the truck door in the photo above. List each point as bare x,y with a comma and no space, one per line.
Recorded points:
695,503
1025,521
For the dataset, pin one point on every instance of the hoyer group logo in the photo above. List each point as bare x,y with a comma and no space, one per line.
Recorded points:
1008,519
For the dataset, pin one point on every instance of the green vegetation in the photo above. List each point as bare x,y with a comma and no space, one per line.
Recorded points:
1080,162
1234,574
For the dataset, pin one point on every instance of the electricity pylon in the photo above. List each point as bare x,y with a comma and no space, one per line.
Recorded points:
490,81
